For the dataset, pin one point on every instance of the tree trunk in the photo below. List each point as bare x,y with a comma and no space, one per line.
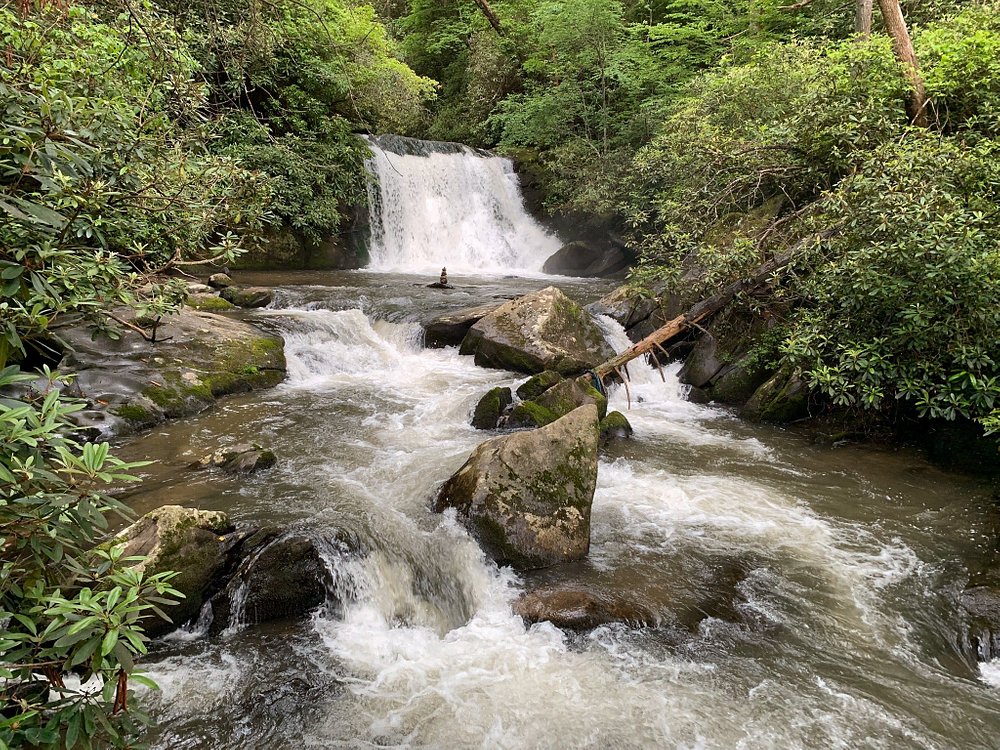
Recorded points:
704,309
484,6
895,25
863,18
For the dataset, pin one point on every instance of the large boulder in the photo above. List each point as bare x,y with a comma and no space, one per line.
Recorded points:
251,296
491,407
545,330
198,357
195,543
526,497
449,329
702,364
784,398
280,574
585,259
244,458
536,385
614,427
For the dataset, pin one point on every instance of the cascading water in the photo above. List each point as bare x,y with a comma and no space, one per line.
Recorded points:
435,205
851,557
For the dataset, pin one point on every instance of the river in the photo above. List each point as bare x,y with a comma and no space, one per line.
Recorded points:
844,632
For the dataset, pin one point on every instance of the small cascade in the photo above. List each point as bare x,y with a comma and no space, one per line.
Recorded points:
437,205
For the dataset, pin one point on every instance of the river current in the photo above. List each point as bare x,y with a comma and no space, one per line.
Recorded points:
853,557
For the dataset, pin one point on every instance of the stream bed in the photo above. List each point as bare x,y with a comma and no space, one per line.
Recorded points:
853,558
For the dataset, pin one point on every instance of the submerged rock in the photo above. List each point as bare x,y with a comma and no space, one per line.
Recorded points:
244,458
490,408
542,331
253,296
195,543
449,329
581,608
526,497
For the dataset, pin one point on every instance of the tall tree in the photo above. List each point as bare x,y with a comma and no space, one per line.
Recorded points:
863,17
895,25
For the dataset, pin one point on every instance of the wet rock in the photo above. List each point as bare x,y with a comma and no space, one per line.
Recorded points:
784,398
244,458
195,543
698,396
536,385
253,296
449,329
198,358
615,427
220,281
586,259
195,288
491,407
626,306
526,497
542,331
737,382
702,364
981,607
208,303
558,401
579,608
279,575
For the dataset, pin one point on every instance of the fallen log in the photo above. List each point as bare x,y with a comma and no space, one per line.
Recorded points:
699,312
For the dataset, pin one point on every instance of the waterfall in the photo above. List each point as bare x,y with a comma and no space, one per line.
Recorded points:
438,204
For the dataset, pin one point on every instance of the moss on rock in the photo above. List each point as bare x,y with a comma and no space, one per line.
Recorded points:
536,385
615,427
490,408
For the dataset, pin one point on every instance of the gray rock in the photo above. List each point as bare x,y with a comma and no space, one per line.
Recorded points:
981,637
251,297
220,281
782,399
244,458
195,543
490,408
702,364
737,382
526,497
580,608
449,329
585,259
542,331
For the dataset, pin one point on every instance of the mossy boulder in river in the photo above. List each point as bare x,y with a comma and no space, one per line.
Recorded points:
536,385
615,427
558,401
526,497
198,357
784,398
491,407
450,328
195,543
545,330
254,296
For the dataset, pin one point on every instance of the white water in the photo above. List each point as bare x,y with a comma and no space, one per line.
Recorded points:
450,206
429,652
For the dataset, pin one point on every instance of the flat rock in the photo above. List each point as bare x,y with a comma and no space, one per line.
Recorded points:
545,330
449,329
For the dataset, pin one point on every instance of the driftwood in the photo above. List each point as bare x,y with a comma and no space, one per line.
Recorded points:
702,310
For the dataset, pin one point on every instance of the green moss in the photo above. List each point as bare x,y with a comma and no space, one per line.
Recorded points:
536,385
615,425
490,407
135,413
207,303
531,414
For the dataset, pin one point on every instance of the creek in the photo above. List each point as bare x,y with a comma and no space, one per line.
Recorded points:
852,556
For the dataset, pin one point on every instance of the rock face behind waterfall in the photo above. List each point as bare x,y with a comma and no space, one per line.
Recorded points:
542,331
526,497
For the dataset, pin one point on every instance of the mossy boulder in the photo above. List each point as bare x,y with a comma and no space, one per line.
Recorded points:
195,543
570,394
253,296
536,385
198,357
614,427
529,414
545,330
782,399
451,328
491,407
586,259
244,458
209,303
220,281
526,497
702,363
735,383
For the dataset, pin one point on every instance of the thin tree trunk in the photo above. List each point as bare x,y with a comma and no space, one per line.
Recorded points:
895,25
484,6
863,18
704,309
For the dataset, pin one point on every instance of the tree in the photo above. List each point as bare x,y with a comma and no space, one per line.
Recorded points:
895,26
